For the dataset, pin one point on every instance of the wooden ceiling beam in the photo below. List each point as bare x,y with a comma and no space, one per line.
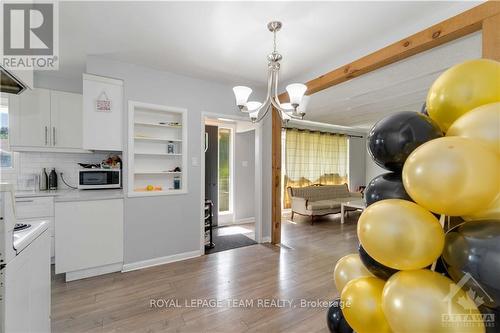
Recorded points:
455,27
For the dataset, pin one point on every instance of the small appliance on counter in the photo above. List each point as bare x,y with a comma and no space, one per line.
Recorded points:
99,178
106,175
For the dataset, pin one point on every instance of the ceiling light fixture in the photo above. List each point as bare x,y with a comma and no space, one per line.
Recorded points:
294,109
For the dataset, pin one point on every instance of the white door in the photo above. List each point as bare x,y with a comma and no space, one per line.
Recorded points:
66,119
29,118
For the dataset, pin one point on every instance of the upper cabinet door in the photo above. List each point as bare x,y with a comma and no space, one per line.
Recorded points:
29,117
66,119
102,113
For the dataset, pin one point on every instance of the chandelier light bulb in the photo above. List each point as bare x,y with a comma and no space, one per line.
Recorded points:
252,105
295,93
241,93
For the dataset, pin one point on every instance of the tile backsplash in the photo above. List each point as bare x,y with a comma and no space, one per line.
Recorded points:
29,163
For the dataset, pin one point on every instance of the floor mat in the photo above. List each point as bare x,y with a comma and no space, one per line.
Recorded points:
227,242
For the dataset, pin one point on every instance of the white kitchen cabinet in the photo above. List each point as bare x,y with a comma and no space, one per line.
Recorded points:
46,120
66,119
102,127
29,117
89,237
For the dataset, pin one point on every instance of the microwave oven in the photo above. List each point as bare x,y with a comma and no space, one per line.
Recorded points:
89,179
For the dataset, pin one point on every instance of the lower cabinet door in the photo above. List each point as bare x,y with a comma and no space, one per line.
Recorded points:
89,234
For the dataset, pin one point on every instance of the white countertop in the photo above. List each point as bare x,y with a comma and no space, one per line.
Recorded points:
74,195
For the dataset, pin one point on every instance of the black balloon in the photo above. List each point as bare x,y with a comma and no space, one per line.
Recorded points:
376,268
491,318
335,318
473,248
392,139
386,186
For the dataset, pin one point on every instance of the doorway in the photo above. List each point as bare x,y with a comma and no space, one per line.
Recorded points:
231,215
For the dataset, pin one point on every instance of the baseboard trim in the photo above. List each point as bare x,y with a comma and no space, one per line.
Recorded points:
266,240
159,261
236,222
86,273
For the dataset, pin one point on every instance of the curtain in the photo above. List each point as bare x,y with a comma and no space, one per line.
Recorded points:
314,158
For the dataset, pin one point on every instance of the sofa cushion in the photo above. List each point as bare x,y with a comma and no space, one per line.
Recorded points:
322,204
319,193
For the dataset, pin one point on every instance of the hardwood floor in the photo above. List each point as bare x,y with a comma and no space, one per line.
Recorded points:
300,270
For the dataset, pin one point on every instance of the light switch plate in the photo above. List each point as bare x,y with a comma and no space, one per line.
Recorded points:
194,161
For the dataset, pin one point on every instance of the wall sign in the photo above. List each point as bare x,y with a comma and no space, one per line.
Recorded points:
103,103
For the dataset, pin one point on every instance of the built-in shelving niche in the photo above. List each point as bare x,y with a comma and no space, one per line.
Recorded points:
157,141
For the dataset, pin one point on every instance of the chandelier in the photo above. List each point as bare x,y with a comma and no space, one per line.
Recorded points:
256,110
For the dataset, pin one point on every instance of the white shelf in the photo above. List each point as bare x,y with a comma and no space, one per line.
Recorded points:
158,172
141,123
155,193
150,134
143,138
156,154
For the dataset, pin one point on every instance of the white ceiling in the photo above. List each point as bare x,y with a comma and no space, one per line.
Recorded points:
401,86
228,41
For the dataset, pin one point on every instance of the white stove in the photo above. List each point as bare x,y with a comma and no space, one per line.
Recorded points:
24,271
24,237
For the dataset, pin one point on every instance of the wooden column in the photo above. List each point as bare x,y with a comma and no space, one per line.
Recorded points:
491,38
276,179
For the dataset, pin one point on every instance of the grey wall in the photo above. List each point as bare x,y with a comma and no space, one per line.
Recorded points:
168,225
244,175
47,81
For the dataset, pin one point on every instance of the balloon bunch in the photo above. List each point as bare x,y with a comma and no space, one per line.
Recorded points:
443,161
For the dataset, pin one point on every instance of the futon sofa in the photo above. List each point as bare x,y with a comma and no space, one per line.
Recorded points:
320,200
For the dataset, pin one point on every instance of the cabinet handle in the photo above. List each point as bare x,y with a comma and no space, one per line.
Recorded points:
25,200
53,136
46,135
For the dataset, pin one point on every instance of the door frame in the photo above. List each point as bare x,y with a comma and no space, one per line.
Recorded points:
258,175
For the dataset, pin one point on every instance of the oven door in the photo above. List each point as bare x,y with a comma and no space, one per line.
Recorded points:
95,179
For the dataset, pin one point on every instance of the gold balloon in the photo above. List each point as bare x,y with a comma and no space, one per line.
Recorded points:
490,213
349,268
462,88
425,301
362,298
452,176
482,123
400,234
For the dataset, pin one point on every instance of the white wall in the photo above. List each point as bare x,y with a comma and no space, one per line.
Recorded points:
244,175
357,148
169,225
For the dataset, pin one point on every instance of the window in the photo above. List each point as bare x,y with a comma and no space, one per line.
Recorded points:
313,157
225,166
6,156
